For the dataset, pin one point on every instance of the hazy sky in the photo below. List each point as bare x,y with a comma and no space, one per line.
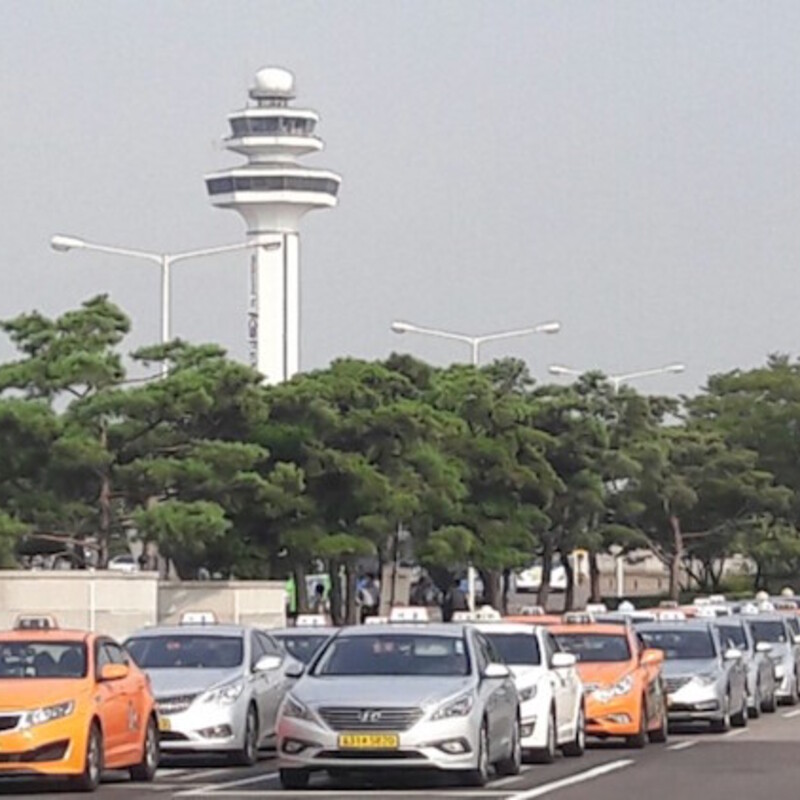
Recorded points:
630,168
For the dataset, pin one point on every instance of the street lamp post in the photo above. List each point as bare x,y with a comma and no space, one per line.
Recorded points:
475,342
63,244
617,380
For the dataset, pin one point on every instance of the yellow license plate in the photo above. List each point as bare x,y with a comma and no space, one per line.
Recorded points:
164,724
369,741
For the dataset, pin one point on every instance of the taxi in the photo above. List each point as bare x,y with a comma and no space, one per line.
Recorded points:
72,703
622,679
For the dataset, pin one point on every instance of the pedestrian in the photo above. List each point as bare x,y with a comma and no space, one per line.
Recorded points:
368,597
454,600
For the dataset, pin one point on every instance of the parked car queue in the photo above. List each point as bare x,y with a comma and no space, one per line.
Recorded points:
476,697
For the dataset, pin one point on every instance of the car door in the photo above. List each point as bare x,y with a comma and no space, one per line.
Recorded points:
506,693
274,683
489,690
112,706
565,688
134,690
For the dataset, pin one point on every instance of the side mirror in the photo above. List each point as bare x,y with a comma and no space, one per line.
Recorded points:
651,656
563,660
114,672
496,671
268,664
295,670
732,654
763,647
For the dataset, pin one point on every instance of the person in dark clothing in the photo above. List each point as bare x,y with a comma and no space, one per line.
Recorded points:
454,600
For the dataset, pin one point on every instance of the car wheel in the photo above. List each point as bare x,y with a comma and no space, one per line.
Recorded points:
661,734
639,739
513,764
755,711
739,719
723,724
794,698
89,779
480,775
145,770
577,746
546,754
294,778
248,755
770,705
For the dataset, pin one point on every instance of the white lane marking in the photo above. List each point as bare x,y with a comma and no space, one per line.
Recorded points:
374,794
580,777
211,788
682,745
731,734
791,714
200,775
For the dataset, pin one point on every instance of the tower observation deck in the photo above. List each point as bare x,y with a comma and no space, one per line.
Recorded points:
273,191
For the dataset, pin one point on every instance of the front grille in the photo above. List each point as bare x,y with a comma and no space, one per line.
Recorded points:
8,723
370,719
673,684
49,752
370,755
175,704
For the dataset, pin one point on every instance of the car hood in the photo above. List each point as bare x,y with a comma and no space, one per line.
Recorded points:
170,682
386,691
680,668
603,674
29,693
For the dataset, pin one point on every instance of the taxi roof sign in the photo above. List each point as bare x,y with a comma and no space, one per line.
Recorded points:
482,614
596,608
579,618
35,622
672,615
312,621
409,614
532,611
198,618
376,620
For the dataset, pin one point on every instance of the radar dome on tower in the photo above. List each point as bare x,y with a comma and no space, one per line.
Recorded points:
273,82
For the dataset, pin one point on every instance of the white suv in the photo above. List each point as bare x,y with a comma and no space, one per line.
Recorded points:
549,687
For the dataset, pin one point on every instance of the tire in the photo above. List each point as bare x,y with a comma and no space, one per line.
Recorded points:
739,719
755,711
89,779
639,739
248,755
480,775
145,770
513,764
661,734
769,705
294,779
577,746
793,699
723,724
546,754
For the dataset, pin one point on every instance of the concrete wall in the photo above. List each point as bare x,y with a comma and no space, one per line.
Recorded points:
244,602
120,604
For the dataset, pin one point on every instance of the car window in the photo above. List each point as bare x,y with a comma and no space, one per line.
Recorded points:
595,648
256,649
733,636
42,659
115,654
682,644
492,654
549,648
187,650
769,630
516,648
302,646
269,645
101,656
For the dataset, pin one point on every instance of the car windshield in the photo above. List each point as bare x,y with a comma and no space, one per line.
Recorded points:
681,644
733,636
595,647
394,654
794,623
767,630
516,648
187,652
34,659
304,646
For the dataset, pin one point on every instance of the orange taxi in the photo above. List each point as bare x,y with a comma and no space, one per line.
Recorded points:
71,705
622,679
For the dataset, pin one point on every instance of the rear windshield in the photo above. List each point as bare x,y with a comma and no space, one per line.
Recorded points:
186,651
516,648
772,631
394,654
681,644
32,659
595,647
302,647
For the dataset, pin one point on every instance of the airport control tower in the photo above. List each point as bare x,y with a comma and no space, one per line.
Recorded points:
273,192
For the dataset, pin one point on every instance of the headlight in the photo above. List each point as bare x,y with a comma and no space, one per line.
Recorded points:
527,694
48,714
620,688
459,707
707,679
227,694
294,708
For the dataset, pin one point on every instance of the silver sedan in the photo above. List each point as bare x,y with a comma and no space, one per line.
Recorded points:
404,696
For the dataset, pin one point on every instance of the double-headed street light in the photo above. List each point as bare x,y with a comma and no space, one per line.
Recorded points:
617,380
475,341
64,244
